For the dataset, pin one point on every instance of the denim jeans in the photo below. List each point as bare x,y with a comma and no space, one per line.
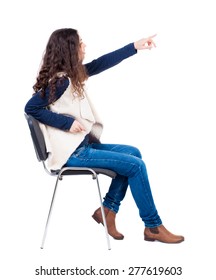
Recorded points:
127,162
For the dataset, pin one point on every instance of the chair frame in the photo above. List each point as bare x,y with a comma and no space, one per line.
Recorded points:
42,155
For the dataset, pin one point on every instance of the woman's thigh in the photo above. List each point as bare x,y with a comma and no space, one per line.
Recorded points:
120,148
122,159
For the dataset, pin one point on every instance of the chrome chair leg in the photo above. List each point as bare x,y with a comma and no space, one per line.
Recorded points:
95,177
50,212
103,214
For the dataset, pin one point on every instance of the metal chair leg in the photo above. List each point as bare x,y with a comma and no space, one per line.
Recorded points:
50,212
101,204
103,214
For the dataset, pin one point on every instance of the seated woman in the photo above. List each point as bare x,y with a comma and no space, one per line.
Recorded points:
72,128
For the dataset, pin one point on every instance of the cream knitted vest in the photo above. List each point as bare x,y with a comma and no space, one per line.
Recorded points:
61,144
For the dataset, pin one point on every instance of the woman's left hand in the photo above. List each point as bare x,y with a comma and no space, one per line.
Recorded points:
145,43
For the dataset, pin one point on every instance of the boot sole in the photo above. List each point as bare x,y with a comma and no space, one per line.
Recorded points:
146,238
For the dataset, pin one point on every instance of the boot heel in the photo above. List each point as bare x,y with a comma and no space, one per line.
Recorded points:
96,219
146,238
110,220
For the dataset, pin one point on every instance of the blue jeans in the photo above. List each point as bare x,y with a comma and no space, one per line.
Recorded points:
126,161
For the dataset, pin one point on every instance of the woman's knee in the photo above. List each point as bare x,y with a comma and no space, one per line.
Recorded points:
135,152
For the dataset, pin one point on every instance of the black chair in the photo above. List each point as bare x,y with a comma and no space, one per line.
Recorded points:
40,149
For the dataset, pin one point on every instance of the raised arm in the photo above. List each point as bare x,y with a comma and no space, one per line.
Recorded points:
109,60
113,58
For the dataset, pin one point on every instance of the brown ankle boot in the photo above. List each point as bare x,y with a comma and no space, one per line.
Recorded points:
161,234
110,220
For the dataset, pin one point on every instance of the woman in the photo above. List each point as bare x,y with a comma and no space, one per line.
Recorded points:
72,128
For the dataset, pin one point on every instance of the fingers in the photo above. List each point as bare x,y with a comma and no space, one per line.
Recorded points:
150,37
145,43
77,127
80,127
150,43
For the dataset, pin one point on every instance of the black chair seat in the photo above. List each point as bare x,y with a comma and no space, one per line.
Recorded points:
85,171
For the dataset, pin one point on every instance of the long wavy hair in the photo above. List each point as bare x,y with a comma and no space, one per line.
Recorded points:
61,56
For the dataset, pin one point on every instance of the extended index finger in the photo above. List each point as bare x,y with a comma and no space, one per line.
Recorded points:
150,37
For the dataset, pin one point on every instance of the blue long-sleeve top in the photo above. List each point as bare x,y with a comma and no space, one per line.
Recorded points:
37,105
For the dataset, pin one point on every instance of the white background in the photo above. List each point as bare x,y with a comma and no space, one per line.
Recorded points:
161,101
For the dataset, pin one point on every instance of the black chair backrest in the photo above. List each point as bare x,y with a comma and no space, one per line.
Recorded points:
37,138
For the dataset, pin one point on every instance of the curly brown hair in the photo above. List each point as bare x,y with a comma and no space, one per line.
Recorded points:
61,56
